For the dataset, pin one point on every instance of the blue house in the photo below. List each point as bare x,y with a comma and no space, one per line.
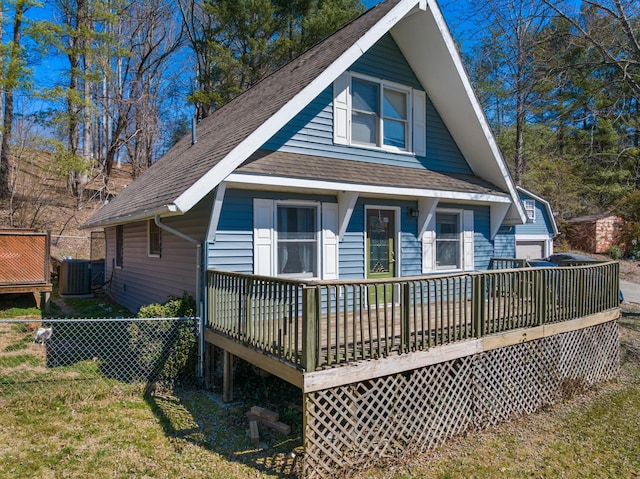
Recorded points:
534,239
368,156
331,222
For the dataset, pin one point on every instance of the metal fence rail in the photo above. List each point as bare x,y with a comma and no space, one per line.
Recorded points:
57,355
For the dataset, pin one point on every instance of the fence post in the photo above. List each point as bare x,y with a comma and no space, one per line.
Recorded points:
310,299
477,304
405,317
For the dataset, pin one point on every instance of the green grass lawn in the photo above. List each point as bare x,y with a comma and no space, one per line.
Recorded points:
113,431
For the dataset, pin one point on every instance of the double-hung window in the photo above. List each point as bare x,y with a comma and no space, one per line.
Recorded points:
376,113
530,209
380,114
297,241
448,241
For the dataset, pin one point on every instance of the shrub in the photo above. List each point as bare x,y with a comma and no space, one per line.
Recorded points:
615,252
165,350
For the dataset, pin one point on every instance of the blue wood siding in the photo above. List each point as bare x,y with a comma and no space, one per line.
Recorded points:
542,225
311,131
233,246
505,245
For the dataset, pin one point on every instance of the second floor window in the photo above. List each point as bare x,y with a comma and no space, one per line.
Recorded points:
379,115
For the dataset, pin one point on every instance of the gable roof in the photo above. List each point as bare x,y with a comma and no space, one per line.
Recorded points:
188,172
546,204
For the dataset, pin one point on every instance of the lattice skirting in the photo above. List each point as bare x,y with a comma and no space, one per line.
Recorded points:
352,426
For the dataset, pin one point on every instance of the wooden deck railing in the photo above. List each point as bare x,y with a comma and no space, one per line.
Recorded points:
320,324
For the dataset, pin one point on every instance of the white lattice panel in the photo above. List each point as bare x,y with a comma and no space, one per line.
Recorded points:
356,425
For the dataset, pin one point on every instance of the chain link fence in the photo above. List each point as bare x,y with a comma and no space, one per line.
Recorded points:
82,358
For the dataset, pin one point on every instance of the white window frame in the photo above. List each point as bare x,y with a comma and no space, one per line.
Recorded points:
388,85
530,209
300,204
150,254
460,214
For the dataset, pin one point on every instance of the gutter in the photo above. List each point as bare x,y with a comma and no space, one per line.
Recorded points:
166,210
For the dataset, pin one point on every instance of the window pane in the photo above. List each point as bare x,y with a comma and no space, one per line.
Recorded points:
395,134
364,128
365,96
395,105
154,238
296,222
448,241
447,255
447,226
297,258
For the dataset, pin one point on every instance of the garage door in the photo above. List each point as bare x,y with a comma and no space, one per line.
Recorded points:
529,249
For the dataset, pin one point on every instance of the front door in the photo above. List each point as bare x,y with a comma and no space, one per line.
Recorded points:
381,263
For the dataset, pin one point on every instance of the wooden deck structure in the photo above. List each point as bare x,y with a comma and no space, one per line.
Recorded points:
24,263
340,340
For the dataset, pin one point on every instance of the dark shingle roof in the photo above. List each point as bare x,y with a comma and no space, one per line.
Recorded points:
292,165
228,126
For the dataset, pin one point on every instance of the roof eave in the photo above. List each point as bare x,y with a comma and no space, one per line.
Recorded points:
162,211
442,74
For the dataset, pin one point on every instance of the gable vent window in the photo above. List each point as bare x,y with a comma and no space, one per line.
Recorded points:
530,208
375,113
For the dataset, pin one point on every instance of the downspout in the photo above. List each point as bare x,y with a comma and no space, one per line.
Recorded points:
173,231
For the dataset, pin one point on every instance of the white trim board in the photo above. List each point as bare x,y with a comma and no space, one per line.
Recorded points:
284,182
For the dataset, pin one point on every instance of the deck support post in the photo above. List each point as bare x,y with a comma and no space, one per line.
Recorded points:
310,306
227,377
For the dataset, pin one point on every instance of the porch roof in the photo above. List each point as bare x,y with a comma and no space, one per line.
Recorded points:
285,165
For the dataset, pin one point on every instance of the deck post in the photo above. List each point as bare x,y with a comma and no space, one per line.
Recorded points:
310,298
477,304
227,377
405,317
541,297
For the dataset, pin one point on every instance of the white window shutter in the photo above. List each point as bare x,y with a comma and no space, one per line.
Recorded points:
330,217
419,122
468,240
263,237
341,109
429,246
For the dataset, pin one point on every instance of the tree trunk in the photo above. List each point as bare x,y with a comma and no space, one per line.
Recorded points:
11,80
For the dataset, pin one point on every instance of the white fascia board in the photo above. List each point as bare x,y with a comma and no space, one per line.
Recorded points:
441,72
162,211
246,148
532,237
547,206
284,182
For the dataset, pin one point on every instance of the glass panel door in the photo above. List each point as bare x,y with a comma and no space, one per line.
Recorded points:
381,263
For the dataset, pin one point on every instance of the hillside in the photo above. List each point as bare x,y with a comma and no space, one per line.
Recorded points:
41,200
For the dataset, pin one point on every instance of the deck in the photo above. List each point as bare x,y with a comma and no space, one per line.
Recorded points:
304,330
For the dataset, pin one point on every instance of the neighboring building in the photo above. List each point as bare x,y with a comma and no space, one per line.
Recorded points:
368,156
534,239
595,233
